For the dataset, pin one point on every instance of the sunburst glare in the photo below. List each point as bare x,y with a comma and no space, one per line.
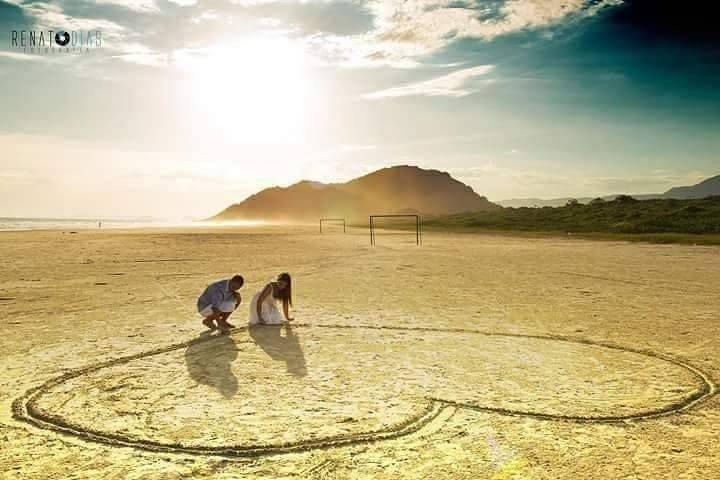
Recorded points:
252,92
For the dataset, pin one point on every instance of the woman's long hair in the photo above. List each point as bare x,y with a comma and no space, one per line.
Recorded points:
286,293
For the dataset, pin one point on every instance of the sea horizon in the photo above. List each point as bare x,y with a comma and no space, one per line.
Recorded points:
89,223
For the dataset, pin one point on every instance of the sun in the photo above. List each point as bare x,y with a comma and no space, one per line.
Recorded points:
254,91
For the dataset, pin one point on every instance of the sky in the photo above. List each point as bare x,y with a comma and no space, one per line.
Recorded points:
186,106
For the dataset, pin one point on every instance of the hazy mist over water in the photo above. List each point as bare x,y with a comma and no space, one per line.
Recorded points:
16,223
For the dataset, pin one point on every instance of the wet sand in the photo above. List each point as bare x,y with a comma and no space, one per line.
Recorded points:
469,357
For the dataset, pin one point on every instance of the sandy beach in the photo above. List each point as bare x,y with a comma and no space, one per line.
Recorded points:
473,356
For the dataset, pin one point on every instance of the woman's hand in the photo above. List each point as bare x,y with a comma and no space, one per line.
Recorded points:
286,311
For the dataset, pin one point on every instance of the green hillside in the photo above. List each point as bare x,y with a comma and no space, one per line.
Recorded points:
624,215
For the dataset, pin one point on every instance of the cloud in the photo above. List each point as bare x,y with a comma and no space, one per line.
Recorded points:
49,16
21,56
431,22
451,85
346,33
143,6
118,41
141,55
408,29
206,16
355,52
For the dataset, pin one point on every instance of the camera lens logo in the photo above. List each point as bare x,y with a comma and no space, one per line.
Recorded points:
62,38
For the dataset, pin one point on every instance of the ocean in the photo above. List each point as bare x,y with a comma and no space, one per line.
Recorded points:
13,223
17,223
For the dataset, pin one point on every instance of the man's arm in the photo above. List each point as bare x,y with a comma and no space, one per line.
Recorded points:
216,297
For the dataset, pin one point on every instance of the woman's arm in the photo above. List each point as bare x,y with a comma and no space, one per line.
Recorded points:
286,308
258,305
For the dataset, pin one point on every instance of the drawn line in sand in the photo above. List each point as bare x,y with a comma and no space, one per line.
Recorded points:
25,407
159,260
607,279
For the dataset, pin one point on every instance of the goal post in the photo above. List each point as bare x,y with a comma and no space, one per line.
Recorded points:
332,220
418,226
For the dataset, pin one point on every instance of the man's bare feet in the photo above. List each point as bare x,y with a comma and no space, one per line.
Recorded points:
209,324
224,326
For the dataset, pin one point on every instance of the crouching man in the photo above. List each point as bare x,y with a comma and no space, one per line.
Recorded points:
219,301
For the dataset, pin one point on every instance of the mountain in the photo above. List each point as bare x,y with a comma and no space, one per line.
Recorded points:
413,188
707,188
399,189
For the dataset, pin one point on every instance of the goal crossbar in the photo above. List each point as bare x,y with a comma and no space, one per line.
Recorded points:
418,226
332,220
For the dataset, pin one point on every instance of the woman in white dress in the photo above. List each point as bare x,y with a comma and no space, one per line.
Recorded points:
264,305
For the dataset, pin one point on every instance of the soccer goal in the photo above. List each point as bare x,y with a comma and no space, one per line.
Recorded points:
335,221
418,226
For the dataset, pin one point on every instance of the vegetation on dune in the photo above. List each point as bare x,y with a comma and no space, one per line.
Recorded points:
624,215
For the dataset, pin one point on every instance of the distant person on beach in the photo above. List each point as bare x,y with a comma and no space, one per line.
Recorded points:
264,305
219,301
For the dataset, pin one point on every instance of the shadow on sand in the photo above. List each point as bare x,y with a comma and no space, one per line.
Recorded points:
281,348
209,363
